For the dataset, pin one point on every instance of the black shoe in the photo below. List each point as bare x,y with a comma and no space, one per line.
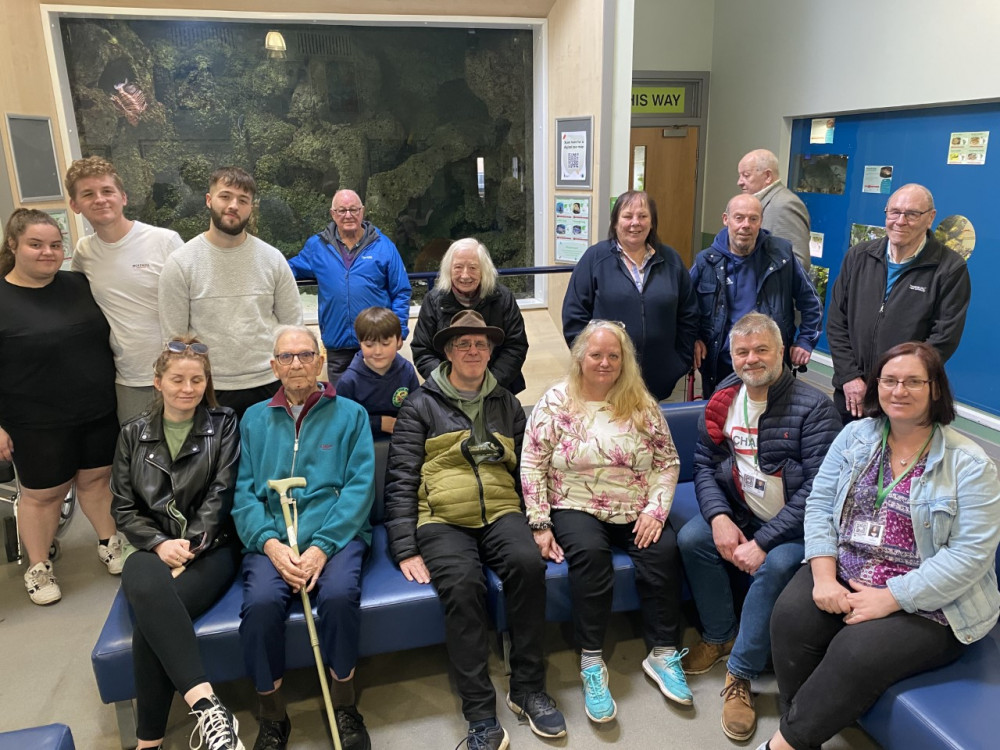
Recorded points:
485,735
351,727
540,710
217,728
273,735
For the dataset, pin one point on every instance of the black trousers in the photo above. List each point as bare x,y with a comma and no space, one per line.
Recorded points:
586,542
455,557
164,648
241,400
830,673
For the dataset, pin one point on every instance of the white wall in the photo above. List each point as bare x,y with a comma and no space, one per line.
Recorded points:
673,34
835,57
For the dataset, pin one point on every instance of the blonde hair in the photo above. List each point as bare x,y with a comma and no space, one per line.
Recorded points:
629,398
488,272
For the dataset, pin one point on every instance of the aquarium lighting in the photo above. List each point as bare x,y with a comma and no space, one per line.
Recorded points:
274,43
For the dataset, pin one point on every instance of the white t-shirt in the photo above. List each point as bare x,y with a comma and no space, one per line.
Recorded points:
124,278
764,493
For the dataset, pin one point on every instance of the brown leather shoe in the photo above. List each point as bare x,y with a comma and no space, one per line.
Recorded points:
739,719
703,656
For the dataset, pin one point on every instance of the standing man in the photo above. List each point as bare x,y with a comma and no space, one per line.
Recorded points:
122,260
355,267
785,215
453,504
748,269
305,431
762,440
231,290
906,286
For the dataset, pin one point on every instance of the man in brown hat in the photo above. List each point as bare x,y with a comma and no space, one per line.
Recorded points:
453,504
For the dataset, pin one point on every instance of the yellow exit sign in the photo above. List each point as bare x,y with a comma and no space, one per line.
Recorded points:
657,100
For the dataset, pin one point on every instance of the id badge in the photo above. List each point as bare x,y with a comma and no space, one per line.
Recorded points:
752,483
868,532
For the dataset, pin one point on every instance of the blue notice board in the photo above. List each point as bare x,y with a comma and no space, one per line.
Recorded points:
916,144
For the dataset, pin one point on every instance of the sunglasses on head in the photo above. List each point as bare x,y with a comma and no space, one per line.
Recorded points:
179,347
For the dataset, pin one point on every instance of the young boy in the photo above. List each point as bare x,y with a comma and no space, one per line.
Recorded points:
378,377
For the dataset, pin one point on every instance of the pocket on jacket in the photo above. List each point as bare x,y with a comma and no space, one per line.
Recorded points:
942,512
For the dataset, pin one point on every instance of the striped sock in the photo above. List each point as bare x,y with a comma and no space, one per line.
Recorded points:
659,651
591,659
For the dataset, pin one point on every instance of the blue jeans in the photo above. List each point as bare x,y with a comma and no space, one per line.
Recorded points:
708,577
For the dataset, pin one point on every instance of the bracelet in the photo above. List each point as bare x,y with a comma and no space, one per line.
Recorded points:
540,525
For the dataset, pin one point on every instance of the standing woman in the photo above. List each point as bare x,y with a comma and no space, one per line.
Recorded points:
468,281
173,480
599,467
57,395
901,531
634,278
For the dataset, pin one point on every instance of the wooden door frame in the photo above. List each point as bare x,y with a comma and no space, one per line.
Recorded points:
697,115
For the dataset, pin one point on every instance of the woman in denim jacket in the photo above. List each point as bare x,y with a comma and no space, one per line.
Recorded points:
901,532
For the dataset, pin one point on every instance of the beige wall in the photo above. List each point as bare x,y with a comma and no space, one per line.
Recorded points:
673,35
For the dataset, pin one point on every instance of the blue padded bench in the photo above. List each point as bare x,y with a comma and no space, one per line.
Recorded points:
50,737
683,422
952,708
396,615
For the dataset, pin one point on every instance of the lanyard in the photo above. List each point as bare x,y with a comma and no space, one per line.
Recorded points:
746,423
882,494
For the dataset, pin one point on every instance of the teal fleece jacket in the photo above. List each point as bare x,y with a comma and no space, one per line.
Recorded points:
336,456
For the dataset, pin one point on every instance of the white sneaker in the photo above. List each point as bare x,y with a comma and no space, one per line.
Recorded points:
41,585
111,554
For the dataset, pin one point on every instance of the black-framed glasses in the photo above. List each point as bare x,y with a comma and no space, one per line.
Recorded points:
179,347
464,346
351,211
910,384
895,214
285,358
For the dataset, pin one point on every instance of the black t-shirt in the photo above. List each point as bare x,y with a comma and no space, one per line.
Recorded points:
56,365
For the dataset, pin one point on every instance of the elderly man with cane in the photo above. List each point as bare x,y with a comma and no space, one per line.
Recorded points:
304,432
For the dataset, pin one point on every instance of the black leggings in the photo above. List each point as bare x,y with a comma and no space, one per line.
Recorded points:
830,673
164,648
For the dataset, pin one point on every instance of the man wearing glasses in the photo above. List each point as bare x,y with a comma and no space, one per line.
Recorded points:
906,286
304,431
355,266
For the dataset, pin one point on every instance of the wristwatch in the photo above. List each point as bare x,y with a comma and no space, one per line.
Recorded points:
540,525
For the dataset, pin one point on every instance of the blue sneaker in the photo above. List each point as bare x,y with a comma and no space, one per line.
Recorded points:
540,710
485,735
667,673
597,700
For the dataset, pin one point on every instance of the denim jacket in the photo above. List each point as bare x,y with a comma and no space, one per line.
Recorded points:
955,510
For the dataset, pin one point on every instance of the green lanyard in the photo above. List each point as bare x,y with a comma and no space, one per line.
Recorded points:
746,422
883,493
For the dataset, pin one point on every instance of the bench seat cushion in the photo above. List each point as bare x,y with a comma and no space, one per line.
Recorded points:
50,737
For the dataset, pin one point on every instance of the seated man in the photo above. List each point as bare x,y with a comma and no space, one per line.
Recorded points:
452,504
752,494
305,431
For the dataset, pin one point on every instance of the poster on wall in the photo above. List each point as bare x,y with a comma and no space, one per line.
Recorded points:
821,130
968,148
816,244
877,179
574,152
572,227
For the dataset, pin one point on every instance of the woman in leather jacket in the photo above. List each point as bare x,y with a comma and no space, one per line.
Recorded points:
172,481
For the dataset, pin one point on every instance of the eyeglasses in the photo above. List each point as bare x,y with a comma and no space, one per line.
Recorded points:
464,346
179,347
895,214
351,211
619,323
285,358
910,384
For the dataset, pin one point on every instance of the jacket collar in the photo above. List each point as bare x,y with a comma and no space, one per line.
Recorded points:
720,401
868,432
280,401
930,255
201,424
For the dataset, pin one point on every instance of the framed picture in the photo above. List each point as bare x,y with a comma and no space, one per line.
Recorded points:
35,164
574,152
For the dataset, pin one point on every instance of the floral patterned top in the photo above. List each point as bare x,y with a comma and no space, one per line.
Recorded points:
575,457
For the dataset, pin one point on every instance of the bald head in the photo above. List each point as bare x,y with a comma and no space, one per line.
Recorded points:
742,219
757,170
348,214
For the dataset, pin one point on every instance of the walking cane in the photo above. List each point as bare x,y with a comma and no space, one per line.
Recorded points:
282,486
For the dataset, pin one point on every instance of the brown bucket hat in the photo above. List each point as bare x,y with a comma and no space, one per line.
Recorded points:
465,322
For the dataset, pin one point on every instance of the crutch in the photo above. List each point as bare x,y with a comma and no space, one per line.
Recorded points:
282,486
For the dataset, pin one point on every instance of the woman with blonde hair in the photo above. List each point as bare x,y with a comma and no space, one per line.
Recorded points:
599,468
468,281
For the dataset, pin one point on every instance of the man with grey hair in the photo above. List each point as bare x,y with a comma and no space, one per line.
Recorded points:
906,286
761,442
305,430
355,266
785,215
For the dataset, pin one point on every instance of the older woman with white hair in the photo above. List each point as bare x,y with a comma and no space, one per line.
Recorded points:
468,281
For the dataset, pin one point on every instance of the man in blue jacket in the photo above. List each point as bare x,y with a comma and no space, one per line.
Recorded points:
747,269
355,266
762,439
305,431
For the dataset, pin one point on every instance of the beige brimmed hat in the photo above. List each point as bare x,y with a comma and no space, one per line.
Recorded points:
466,322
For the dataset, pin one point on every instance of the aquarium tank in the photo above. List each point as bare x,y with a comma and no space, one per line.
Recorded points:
432,127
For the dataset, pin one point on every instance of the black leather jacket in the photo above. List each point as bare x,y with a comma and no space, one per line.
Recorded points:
151,491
